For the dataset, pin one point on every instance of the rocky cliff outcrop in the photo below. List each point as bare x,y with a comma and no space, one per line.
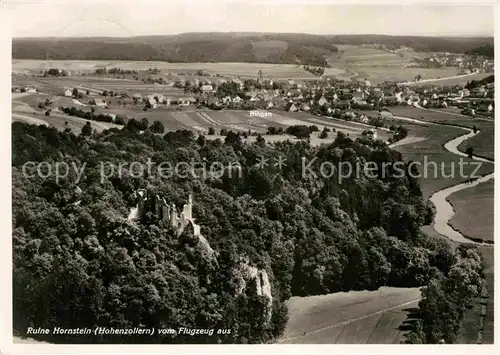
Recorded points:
245,274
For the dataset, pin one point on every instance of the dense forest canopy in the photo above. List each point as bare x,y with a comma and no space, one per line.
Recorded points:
290,48
78,261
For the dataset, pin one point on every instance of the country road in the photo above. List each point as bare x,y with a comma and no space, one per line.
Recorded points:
437,79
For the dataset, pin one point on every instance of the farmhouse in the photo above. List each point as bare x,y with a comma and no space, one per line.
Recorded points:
293,108
68,93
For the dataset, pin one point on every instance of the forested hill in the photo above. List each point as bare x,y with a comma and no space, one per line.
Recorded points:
79,261
289,48
189,47
418,43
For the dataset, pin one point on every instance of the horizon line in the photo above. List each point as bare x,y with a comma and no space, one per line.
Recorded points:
448,35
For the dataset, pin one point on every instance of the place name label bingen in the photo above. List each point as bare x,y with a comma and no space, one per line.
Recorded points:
127,331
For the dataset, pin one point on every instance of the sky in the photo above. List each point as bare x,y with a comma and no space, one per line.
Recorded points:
85,18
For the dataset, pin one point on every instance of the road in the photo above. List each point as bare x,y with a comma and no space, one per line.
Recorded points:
437,79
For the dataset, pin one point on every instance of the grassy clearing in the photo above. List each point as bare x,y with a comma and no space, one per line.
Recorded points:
467,203
354,317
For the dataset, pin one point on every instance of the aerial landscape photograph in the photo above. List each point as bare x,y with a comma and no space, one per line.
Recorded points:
229,172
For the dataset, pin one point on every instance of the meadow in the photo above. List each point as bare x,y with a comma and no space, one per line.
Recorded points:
356,317
483,143
467,203
431,150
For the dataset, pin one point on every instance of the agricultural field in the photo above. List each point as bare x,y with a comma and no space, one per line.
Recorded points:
467,203
483,144
379,65
356,317
367,56
95,85
378,75
275,71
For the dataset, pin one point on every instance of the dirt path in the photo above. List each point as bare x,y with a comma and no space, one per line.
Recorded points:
407,140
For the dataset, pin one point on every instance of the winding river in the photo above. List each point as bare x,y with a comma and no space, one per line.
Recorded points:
444,209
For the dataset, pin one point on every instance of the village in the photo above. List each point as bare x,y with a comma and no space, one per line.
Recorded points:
326,96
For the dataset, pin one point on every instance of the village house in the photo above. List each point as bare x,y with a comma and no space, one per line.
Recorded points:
68,93
186,101
293,108
239,82
345,94
30,89
160,98
151,101
137,97
479,92
350,115
99,102
305,107
371,133
322,101
207,88
359,97
237,100
364,119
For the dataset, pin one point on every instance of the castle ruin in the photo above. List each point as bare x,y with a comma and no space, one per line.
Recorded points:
163,211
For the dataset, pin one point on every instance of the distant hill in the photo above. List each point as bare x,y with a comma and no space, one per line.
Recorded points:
486,51
286,48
